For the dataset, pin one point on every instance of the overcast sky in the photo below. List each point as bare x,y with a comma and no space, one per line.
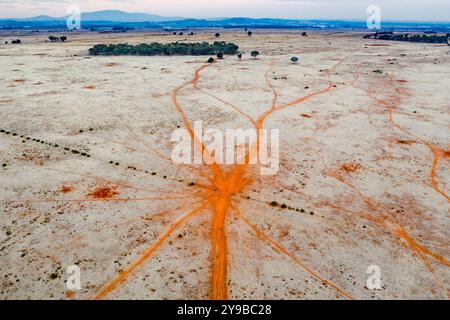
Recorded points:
301,9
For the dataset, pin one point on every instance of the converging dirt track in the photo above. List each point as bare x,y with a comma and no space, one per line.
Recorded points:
87,178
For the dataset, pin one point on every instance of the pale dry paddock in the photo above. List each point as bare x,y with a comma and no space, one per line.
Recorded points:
364,172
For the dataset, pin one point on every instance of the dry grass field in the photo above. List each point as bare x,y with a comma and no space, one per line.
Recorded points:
86,177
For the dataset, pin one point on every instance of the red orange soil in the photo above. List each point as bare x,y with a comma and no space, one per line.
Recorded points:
66,189
104,193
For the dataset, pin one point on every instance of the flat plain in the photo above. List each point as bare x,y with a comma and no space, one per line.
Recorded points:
87,179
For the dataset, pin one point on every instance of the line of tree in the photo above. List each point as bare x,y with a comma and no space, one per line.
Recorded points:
165,49
421,38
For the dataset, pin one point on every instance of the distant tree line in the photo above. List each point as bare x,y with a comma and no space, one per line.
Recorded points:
57,39
164,49
422,38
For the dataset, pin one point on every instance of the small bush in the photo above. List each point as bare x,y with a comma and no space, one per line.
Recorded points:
254,54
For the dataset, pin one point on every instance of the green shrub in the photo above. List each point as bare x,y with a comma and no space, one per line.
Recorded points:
254,53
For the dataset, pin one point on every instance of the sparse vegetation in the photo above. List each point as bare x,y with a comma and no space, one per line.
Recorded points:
167,49
57,39
254,54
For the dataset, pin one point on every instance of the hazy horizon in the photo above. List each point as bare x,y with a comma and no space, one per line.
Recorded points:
392,10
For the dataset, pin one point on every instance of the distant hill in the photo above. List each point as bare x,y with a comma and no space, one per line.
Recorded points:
40,18
121,16
108,19
110,16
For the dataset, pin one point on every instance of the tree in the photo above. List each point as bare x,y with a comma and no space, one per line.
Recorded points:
53,39
17,41
174,33
220,55
239,56
217,35
211,60
294,59
254,53
304,34
63,38
448,38
249,33
167,49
